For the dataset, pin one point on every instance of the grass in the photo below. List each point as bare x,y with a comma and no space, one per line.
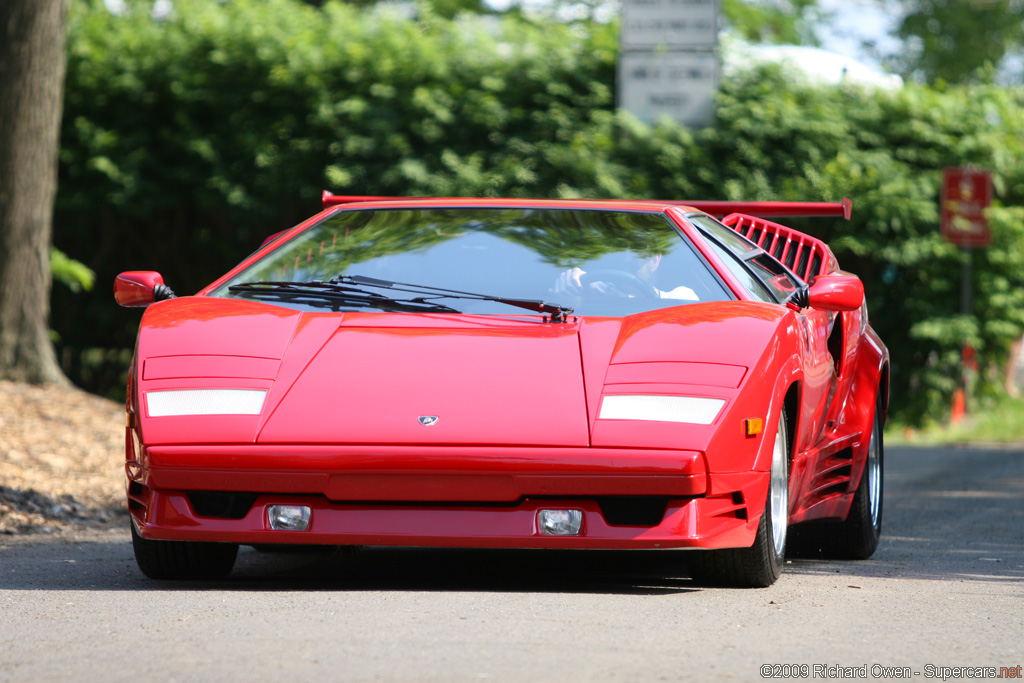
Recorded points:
992,420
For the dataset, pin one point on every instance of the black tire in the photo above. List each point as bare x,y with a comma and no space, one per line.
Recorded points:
759,565
855,538
183,560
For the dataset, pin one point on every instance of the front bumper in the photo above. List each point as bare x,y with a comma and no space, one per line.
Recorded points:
445,497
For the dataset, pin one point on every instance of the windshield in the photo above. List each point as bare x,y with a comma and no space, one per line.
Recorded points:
597,262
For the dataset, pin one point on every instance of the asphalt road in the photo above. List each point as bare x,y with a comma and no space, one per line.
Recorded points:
944,589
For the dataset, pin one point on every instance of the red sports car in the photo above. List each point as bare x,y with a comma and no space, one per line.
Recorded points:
511,373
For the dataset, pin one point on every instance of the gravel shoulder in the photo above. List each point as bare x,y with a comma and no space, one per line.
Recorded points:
61,460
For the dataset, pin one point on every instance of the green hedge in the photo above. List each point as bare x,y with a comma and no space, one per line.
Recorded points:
187,140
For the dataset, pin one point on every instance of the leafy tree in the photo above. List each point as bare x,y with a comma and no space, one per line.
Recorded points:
775,21
955,40
444,8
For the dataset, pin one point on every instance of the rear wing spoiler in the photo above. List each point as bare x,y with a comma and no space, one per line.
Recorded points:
762,209
774,209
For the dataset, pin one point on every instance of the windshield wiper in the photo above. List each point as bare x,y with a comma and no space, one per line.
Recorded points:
557,312
336,293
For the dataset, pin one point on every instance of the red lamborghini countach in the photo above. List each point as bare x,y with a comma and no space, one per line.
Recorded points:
511,373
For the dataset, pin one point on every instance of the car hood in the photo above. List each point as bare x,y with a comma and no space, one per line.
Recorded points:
432,379
406,378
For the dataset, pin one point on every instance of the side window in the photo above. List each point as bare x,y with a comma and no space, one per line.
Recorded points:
743,274
774,276
738,245
757,264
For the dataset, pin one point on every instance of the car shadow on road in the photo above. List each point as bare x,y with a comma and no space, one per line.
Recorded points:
950,513
454,569
107,565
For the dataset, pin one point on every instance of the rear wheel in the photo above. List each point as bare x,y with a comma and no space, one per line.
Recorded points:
759,565
183,559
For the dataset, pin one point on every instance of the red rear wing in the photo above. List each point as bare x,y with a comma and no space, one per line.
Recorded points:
763,209
774,209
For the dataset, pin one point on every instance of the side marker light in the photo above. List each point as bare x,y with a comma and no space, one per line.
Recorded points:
754,426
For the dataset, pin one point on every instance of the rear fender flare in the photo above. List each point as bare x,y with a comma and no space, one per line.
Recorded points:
869,390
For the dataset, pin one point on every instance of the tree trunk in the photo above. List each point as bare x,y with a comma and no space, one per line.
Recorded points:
32,63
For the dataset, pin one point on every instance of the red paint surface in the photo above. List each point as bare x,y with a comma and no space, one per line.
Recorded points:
517,404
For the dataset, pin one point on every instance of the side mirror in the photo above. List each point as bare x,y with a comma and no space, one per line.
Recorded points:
836,293
140,288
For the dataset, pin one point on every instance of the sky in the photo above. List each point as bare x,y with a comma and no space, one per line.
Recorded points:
858,21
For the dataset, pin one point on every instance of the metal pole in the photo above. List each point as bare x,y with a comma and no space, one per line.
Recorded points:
966,285
962,396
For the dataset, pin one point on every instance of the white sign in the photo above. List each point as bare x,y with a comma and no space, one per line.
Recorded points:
669,24
679,85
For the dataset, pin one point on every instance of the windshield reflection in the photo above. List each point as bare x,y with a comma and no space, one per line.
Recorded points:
598,262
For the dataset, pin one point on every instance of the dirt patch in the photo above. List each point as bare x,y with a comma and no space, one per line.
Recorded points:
61,460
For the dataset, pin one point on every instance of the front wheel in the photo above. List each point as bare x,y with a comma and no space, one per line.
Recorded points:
183,560
759,565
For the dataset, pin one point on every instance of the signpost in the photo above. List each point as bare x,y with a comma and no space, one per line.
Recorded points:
673,24
679,85
668,65
966,193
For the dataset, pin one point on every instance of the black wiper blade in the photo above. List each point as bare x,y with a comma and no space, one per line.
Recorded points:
312,285
557,312
347,296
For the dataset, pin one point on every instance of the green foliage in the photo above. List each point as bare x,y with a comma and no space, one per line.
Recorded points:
775,21
74,275
187,141
992,419
956,41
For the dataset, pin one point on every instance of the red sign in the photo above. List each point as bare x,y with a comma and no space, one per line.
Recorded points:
966,193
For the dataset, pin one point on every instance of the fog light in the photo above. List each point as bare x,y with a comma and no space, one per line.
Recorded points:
289,517
560,522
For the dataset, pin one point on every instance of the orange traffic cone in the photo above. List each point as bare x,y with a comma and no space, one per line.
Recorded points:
959,406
